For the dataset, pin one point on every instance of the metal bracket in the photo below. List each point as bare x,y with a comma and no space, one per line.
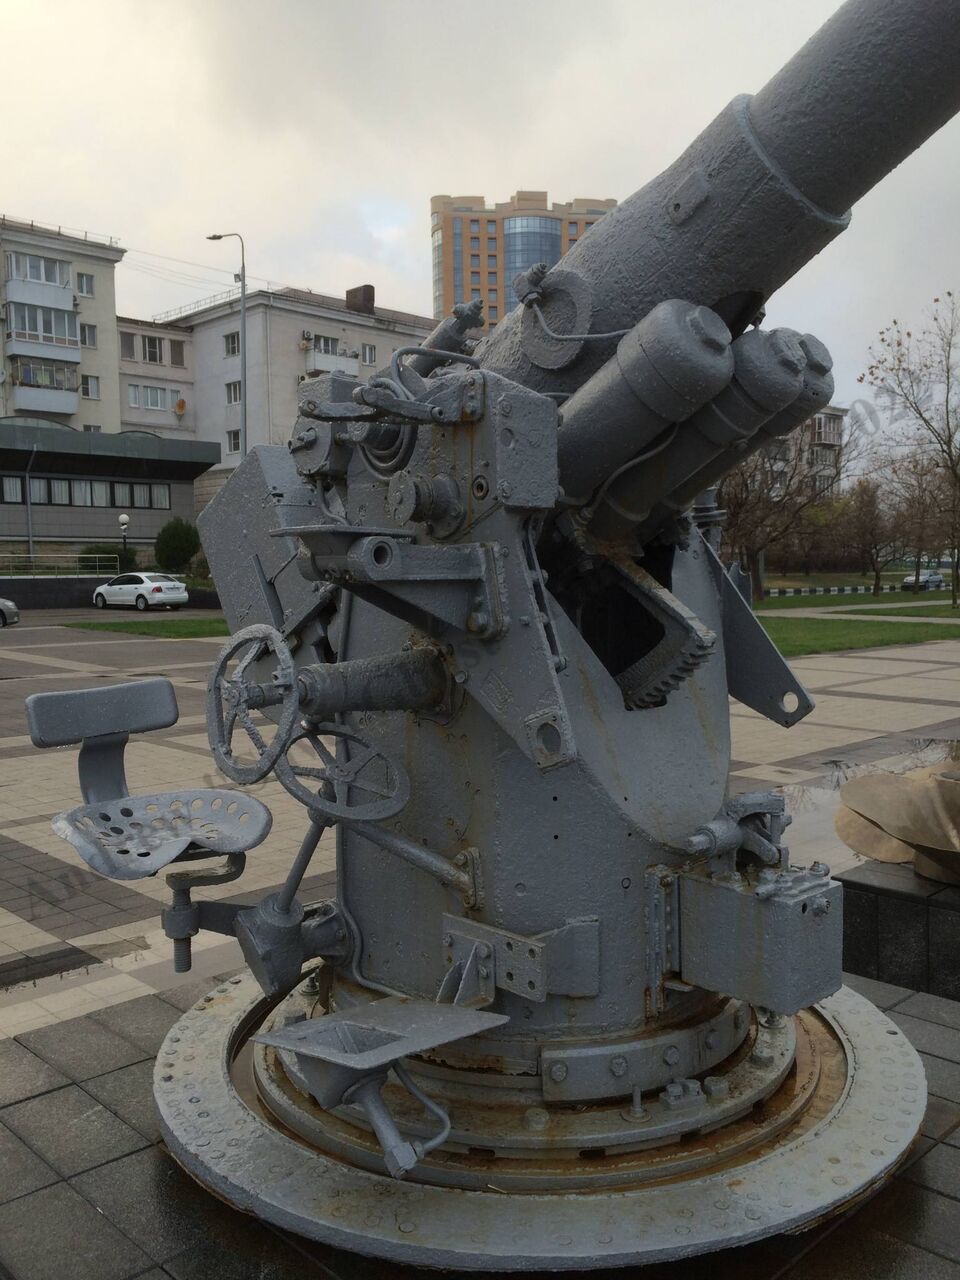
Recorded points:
563,961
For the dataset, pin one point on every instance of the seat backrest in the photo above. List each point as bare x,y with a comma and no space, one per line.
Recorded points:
75,715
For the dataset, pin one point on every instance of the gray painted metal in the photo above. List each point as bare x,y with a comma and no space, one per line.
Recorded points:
215,1135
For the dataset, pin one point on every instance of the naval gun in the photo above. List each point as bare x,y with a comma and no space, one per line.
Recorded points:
572,1005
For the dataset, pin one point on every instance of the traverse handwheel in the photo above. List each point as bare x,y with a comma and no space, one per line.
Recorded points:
232,697
339,775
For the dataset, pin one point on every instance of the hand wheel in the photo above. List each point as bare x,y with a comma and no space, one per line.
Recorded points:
363,787
232,698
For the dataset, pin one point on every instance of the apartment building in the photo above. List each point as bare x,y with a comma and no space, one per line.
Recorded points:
477,250
156,378
292,334
60,357
812,456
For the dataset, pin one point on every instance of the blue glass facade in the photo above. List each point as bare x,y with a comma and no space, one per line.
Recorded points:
457,260
527,240
437,273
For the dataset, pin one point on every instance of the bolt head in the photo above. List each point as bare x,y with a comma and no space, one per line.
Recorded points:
618,1065
558,1072
671,1055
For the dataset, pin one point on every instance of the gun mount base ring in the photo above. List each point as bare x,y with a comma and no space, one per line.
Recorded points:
785,1183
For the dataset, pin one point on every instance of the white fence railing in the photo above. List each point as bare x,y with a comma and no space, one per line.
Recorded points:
62,566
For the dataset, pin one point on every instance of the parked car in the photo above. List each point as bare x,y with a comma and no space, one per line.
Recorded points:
142,591
930,580
9,613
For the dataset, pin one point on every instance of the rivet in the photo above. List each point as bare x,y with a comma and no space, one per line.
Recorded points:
558,1071
407,1227
618,1065
671,1055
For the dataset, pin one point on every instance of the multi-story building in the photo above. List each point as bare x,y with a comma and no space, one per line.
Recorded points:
60,359
292,334
156,378
810,458
477,250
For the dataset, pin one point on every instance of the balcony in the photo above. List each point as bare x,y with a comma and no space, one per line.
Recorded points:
316,362
45,400
37,293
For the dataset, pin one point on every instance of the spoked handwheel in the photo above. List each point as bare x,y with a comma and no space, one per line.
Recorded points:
340,776
233,697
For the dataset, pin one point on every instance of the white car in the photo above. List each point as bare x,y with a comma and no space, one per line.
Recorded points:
142,591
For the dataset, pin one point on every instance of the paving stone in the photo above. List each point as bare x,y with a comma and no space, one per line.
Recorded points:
128,1093
23,1074
916,1216
882,994
860,938
932,1009
929,1037
939,1170
943,1077
850,1253
54,1234
945,951
186,995
941,1118
21,1170
144,1021
80,1048
149,1198
71,1131
254,1253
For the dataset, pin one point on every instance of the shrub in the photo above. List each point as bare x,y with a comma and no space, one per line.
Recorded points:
127,557
177,543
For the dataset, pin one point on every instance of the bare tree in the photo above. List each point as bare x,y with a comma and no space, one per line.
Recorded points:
922,494
916,376
869,523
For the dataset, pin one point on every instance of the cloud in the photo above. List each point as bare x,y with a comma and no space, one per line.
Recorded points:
321,129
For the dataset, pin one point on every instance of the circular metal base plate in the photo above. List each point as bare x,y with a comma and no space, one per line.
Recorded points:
846,1150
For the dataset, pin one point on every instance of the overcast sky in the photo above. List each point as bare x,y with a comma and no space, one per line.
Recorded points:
321,129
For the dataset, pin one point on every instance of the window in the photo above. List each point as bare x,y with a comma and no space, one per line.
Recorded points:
38,491
33,371
160,495
573,228
491,277
88,335
474,277
44,324
491,246
141,495
475,242
80,493
92,428
12,489
491,295
174,393
127,348
85,284
231,343
152,349
492,314
233,442
133,396
29,266
121,493
60,493
154,397
89,387
474,224
491,228
326,346
572,241
176,353
100,493
368,353
474,260
474,293
492,260
233,392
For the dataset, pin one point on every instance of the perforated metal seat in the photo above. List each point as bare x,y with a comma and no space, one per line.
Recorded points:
128,837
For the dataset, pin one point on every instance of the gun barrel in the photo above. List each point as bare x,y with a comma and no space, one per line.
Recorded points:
758,194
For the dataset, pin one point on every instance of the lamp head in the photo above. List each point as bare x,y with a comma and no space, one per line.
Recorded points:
214,237
123,521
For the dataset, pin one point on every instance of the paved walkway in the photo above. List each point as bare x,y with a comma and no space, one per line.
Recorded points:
87,988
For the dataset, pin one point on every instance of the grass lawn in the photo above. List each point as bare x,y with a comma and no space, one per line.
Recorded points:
797,636
933,610
167,629
830,579
869,601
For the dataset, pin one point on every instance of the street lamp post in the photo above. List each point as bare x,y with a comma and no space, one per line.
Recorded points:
123,521
242,278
